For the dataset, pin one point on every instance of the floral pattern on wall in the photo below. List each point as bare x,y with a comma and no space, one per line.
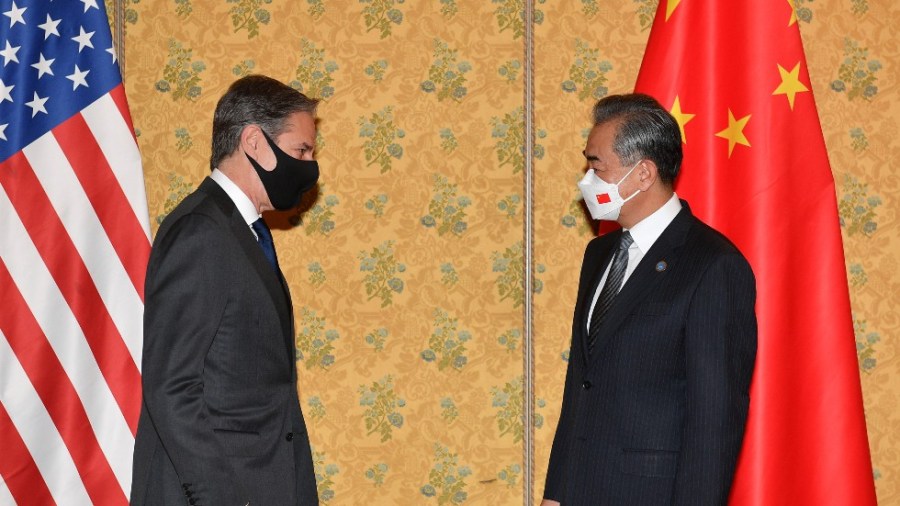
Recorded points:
406,265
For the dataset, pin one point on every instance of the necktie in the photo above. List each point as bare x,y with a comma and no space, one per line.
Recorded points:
610,288
264,237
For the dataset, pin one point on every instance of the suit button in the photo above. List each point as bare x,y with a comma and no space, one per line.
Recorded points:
289,436
586,385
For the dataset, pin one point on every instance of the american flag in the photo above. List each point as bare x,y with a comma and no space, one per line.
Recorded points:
74,242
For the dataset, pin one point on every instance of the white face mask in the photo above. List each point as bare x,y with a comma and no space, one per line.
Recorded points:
603,199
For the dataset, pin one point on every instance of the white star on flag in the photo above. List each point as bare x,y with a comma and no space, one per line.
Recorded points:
15,15
78,78
9,54
6,91
88,4
49,27
84,39
43,66
112,51
37,105
3,131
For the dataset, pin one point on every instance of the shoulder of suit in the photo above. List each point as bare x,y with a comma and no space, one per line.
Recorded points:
706,237
597,243
199,204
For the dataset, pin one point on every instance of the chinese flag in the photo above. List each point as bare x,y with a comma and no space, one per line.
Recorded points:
734,75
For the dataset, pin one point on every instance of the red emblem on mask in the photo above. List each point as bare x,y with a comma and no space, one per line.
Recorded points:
603,198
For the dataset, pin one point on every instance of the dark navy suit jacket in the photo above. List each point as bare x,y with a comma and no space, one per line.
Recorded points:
220,421
656,414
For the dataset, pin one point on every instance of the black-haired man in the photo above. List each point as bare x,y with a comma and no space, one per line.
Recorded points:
220,422
664,333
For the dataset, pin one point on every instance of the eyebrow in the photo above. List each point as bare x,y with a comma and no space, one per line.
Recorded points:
590,158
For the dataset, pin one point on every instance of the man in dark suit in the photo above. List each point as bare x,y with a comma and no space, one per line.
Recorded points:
664,333
220,422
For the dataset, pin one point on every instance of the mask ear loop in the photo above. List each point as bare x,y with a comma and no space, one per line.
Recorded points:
624,200
274,147
623,178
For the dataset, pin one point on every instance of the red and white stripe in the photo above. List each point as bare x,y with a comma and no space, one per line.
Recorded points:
74,243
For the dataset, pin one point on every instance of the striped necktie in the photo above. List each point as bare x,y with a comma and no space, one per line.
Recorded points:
610,288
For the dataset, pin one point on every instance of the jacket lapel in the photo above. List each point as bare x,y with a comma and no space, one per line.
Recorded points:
646,276
275,286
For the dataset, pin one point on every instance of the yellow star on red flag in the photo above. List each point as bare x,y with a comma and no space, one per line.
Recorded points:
670,7
681,117
790,84
735,132
793,13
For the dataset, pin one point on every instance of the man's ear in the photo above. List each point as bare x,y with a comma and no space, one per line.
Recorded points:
251,136
648,173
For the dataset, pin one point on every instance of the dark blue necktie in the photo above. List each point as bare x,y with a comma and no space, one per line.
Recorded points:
610,288
264,237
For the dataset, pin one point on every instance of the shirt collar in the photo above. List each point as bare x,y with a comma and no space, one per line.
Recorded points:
241,201
648,230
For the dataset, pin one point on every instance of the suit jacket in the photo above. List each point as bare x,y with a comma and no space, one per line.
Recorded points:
220,421
655,415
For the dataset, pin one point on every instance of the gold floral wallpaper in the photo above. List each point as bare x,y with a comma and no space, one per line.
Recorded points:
407,266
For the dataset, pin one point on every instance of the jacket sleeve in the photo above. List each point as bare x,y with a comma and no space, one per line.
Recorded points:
557,469
720,350
185,299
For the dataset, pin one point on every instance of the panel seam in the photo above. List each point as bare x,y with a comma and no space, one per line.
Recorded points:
528,316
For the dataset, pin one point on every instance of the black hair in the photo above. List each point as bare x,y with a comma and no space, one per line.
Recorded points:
645,131
254,100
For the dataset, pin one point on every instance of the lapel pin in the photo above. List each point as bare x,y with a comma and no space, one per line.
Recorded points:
661,266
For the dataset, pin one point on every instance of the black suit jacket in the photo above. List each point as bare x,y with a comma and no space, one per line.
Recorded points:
220,421
656,414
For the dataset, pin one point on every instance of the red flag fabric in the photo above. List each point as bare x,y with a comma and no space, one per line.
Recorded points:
735,77
74,243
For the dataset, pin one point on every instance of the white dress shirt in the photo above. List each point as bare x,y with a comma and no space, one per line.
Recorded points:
241,200
644,233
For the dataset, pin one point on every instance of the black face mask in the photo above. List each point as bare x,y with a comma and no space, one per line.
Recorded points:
289,180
